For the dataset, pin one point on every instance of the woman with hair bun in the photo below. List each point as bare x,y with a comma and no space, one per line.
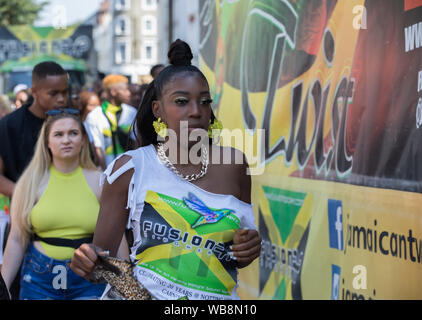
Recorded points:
187,214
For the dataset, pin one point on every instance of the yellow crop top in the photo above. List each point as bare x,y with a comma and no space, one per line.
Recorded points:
67,209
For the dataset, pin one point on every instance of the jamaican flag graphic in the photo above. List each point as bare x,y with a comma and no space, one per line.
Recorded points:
187,243
24,46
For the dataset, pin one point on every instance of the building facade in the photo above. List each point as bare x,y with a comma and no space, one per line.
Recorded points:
126,38
178,19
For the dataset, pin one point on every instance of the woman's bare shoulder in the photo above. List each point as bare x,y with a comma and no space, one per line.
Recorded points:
117,165
230,156
233,163
121,162
122,180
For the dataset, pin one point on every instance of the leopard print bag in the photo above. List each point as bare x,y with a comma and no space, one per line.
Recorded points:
119,275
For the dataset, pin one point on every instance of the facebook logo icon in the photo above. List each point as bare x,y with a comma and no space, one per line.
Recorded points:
335,223
335,282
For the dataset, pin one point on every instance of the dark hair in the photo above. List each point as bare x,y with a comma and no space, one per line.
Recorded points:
137,92
180,56
155,68
47,68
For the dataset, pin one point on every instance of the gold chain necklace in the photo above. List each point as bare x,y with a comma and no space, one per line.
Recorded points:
192,177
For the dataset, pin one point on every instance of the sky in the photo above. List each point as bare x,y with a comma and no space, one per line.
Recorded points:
66,12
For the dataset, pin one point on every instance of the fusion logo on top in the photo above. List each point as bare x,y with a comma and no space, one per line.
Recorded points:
335,224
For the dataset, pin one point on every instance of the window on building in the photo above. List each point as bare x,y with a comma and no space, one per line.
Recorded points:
122,4
148,52
122,26
149,4
149,25
122,54
122,51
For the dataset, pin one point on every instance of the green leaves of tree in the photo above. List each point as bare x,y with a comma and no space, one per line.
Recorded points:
16,12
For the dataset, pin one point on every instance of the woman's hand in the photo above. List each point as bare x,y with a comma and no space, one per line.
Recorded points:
246,246
84,259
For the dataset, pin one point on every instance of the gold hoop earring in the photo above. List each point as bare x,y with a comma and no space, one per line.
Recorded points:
160,128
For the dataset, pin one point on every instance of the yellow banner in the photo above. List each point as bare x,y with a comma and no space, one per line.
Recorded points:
285,73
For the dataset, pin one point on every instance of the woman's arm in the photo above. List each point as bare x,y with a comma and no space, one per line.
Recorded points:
246,243
6,185
111,222
123,252
93,179
13,254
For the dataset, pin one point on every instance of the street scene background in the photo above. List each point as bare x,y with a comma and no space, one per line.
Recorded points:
328,92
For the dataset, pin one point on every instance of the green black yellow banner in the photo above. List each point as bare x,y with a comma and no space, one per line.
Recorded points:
330,93
22,47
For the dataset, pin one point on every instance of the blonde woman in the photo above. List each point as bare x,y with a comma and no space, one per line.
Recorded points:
54,210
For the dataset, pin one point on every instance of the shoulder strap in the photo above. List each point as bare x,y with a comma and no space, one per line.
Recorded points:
111,177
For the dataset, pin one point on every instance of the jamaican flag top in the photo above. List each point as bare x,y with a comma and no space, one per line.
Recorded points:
182,233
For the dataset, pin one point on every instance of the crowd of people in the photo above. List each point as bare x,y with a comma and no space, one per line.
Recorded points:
88,172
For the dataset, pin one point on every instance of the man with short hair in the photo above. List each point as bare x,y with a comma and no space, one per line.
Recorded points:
20,129
110,124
